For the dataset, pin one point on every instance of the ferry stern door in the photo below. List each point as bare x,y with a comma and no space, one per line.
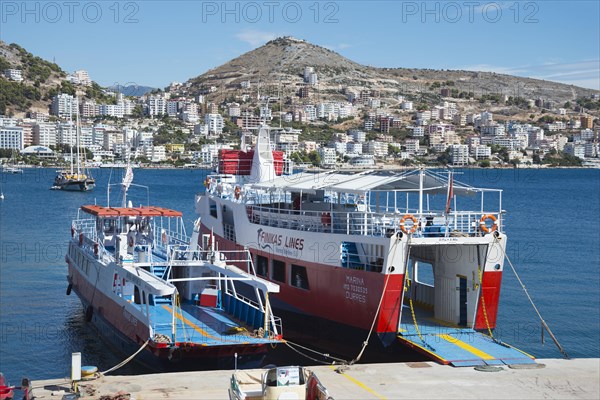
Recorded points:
462,300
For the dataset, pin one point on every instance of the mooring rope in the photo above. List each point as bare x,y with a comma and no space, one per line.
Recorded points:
544,324
131,357
326,355
387,278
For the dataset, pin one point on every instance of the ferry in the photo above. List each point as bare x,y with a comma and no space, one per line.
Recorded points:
413,258
147,290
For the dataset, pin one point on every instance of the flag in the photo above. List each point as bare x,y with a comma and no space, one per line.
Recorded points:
450,191
128,178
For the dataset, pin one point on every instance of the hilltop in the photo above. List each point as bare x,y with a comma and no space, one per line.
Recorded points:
281,62
41,80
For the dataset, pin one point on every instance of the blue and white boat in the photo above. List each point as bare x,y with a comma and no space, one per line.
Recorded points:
144,283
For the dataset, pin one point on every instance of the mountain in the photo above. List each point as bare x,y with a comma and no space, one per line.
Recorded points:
280,63
132,90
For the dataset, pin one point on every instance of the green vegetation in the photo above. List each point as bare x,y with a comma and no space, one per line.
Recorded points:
302,157
17,94
35,68
517,101
96,92
589,103
555,159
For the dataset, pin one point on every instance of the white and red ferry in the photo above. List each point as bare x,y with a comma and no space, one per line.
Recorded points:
415,257
144,283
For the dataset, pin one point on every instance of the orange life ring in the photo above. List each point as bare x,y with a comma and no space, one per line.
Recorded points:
81,239
413,229
130,242
484,227
326,219
237,192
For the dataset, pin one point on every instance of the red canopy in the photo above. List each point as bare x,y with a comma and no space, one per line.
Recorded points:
101,211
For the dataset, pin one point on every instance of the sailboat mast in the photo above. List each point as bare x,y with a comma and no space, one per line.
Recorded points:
70,136
77,135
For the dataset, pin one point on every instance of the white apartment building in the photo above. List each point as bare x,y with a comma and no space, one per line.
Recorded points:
407,105
340,147
412,146
307,71
592,150
44,134
328,156
201,130
313,79
417,131
64,105
354,147
215,123
265,113
80,77
376,149
311,112
11,137
357,135
234,110
587,134
492,129
481,152
89,108
156,105
459,154
66,133
575,149
13,74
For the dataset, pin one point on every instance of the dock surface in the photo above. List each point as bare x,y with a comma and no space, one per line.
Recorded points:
552,379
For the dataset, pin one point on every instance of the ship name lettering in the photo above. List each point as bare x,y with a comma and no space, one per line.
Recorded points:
294,243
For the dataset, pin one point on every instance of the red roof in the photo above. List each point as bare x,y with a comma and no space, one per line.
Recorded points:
101,211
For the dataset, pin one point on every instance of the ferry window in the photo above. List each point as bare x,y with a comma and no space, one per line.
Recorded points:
424,273
136,295
213,208
262,266
299,277
278,273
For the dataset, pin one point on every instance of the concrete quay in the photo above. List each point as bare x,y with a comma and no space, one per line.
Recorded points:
552,379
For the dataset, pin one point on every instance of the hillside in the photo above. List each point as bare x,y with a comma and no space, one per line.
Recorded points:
41,80
281,62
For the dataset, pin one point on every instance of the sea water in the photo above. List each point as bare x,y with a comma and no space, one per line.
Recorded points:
553,242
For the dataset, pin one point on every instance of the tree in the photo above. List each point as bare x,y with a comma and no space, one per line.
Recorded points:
314,158
484,164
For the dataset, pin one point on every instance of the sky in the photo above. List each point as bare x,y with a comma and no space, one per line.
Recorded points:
153,43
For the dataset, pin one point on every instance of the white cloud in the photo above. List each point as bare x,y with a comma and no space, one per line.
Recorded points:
255,38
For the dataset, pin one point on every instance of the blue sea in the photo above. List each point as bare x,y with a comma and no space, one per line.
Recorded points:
554,244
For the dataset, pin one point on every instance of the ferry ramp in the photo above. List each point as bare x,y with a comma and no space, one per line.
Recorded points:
454,345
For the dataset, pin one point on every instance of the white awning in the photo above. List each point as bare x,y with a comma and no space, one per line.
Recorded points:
362,182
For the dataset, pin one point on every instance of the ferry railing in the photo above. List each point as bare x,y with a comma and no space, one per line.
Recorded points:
429,224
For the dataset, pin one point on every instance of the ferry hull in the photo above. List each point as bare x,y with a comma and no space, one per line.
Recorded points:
125,333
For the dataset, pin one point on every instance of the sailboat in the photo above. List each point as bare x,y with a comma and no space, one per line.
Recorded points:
11,166
75,179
